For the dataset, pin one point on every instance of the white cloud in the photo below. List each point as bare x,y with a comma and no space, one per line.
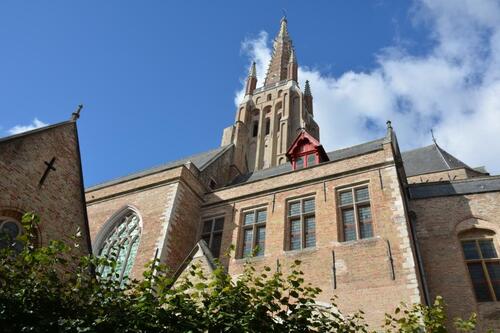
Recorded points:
258,51
454,88
23,128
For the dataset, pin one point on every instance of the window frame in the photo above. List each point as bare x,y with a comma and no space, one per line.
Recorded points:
4,220
355,205
212,232
483,262
302,217
254,227
305,159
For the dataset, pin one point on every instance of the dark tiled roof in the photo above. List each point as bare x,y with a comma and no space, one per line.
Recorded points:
429,159
335,155
460,187
200,160
352,151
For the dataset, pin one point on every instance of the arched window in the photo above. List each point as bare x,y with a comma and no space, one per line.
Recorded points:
10,230
119,240
481,254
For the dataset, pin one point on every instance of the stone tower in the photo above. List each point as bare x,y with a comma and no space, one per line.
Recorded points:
270,117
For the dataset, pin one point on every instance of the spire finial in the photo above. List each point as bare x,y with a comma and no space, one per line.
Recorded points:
389,125
253,70
307,89
283,27
75,115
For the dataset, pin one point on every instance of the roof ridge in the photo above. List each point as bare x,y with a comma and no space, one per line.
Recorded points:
441,154
156,168
359,144
465,180
453,158
222,150
419,148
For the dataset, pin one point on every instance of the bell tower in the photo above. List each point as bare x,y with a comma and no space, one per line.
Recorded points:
270,117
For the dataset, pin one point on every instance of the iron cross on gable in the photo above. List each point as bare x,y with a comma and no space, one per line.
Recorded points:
50,166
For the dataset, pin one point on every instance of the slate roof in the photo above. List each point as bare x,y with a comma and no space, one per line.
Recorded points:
457,187
200,160
429,159
335,155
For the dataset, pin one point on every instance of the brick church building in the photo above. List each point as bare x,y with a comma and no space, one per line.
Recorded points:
371,224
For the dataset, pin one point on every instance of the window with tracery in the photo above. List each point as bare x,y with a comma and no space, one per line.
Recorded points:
121,244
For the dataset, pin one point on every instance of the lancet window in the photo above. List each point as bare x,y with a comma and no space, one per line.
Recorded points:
120,243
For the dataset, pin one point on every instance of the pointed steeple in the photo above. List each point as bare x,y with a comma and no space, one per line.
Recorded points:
282,52
292,67
308,98
253,71
283,27
292,59
251,80
307,89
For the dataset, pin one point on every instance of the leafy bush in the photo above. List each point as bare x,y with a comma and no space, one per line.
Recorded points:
46,289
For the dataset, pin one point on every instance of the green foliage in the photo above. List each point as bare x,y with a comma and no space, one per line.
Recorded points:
46,289
432,318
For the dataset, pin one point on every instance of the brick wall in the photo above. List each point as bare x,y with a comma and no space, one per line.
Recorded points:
168,203
59,201
365,277
439,221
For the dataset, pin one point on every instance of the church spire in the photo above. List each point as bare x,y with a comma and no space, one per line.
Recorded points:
307,89
308,98
253,71
251,80
278,69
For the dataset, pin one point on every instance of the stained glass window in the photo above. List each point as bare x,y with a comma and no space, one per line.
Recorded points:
121,244
10,230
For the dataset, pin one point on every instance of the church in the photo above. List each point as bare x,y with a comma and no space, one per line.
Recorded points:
371,224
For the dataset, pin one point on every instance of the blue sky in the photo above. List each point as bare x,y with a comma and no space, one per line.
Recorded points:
158,79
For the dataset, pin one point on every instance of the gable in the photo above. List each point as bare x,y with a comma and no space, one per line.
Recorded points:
43,175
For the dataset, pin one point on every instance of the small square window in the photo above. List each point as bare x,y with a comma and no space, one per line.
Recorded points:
345,198
294,208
